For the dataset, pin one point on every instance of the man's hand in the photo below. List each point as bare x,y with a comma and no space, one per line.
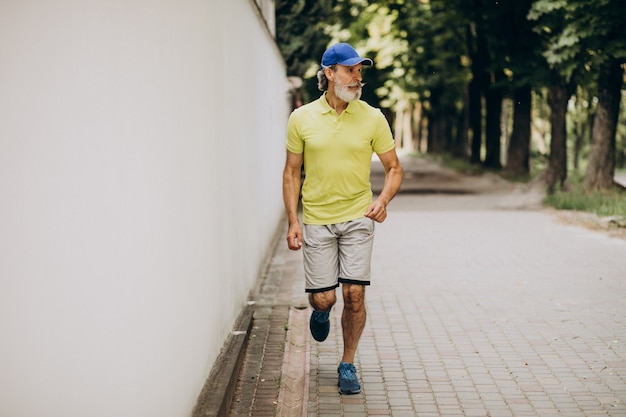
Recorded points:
294,236
377,211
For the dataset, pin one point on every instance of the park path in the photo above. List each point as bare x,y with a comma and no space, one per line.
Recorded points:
482,304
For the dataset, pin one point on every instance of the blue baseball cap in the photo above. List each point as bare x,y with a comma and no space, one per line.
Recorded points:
343,54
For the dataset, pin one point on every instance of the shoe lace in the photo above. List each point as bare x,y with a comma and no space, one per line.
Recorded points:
347,372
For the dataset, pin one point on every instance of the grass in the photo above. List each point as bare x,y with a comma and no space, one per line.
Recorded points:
602,203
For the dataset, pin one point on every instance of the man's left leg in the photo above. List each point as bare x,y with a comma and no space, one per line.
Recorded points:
352,323
352,319
355,254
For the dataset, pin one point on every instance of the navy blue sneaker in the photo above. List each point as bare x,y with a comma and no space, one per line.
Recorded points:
348,381
319,325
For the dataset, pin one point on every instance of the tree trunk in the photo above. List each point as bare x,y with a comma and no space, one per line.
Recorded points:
475,121
417,126
558,96
478,84
449,123
398,125
436,133
518,154
493,100
581,125
437,124
462,127
407,128
601,168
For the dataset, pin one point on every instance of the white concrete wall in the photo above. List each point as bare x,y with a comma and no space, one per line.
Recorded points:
141,148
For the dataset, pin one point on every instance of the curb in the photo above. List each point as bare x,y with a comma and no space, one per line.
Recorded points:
217,394
293,396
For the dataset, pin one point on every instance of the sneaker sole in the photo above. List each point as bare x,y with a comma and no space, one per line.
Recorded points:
349,392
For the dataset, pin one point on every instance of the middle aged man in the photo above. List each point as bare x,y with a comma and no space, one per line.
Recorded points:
335,137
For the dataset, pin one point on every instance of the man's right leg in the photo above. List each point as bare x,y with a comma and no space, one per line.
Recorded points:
319,323
324,300
320,269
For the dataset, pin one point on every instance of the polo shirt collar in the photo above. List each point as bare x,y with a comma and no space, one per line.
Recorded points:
326,107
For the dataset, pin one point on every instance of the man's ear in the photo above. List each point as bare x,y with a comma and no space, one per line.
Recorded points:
330,74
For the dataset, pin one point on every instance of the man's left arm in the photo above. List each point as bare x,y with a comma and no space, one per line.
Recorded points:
377,211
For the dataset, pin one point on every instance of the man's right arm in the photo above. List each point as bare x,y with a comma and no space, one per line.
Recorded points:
291,195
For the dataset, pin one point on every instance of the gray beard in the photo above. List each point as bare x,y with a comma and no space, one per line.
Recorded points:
343,93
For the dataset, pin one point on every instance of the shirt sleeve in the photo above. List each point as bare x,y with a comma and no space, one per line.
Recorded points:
383,139
295,142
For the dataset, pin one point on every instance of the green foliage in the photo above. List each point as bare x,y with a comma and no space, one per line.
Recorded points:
427,51
301,37
300,32
578,33
543,7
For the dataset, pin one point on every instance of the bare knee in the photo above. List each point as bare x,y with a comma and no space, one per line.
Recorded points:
353,296
323,301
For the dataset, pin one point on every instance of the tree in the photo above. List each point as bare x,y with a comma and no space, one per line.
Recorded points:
457,60
550,19
526,71
493,133
416,58
601,26
590,35
558,96
500,45
301,37
518,153
477,51
445,77
601,168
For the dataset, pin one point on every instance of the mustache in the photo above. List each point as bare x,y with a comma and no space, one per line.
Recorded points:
359,84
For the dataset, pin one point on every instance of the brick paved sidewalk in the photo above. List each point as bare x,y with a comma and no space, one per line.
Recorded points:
473,311
485,313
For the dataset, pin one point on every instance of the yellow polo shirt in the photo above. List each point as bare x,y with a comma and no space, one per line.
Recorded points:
337,153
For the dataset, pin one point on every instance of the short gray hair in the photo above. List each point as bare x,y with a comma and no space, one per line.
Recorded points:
322,81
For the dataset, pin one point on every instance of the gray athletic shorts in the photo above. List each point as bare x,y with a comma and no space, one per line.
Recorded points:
337,253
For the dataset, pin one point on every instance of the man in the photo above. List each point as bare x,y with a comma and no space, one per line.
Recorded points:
335,137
